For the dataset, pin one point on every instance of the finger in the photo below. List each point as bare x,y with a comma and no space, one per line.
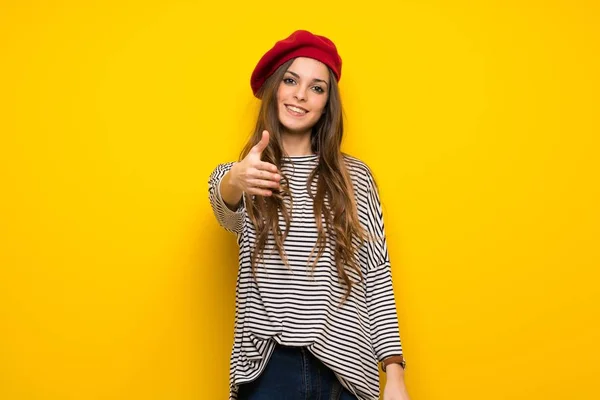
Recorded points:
261,183
265,175
261,192
264,141
265,166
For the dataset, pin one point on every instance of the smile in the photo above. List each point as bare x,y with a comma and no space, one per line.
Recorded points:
296,111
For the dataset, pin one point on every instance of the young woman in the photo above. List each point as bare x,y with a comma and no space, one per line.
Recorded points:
315,308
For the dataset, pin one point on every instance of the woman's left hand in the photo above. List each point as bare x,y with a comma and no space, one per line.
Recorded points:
395,390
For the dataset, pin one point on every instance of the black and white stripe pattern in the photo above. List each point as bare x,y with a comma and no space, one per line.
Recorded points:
296,308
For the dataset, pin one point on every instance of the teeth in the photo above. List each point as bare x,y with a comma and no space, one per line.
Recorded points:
296,109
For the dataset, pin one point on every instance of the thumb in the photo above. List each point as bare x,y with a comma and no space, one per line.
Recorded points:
264,142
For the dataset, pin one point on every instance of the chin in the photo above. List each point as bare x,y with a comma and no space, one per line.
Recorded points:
295,126
296,129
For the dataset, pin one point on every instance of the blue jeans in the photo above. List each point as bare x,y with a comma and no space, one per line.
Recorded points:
293,373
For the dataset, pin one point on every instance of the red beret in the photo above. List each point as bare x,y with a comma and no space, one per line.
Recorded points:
301,43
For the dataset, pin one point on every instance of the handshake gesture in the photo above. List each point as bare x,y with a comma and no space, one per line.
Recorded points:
253,176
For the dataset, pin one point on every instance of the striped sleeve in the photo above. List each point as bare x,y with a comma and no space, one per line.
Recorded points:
232,221
381,304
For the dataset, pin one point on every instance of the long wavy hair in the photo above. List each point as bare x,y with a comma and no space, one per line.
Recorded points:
340,216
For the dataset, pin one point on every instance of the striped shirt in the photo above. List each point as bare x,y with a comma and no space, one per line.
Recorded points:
294,307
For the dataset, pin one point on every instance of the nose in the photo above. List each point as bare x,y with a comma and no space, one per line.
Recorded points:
300,93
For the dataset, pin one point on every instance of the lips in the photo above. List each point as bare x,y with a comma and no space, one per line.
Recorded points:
296,109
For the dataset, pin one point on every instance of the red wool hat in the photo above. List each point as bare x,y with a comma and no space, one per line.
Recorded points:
301,43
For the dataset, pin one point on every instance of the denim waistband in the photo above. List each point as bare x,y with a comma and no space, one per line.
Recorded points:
294,373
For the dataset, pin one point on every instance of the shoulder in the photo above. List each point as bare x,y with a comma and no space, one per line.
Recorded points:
359,170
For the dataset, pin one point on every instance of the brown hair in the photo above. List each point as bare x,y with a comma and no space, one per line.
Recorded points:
334,183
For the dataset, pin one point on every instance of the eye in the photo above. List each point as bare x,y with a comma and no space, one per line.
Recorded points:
318,89
289,81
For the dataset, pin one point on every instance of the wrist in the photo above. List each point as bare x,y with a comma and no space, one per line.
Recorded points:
233,175
398,360
395,372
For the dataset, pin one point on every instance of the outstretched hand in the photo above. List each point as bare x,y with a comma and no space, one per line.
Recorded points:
254,176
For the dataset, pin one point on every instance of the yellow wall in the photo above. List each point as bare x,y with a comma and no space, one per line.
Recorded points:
480,122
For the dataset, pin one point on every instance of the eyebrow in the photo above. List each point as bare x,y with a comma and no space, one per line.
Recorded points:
314,80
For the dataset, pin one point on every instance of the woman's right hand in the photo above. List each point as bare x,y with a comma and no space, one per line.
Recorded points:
254,176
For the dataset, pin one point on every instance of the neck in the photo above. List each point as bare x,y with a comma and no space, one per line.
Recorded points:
296,144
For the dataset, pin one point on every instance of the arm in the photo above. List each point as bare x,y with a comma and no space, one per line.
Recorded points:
225,199
381,302
228,182
230,192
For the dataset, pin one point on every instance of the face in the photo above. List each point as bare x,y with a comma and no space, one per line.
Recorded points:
302,94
